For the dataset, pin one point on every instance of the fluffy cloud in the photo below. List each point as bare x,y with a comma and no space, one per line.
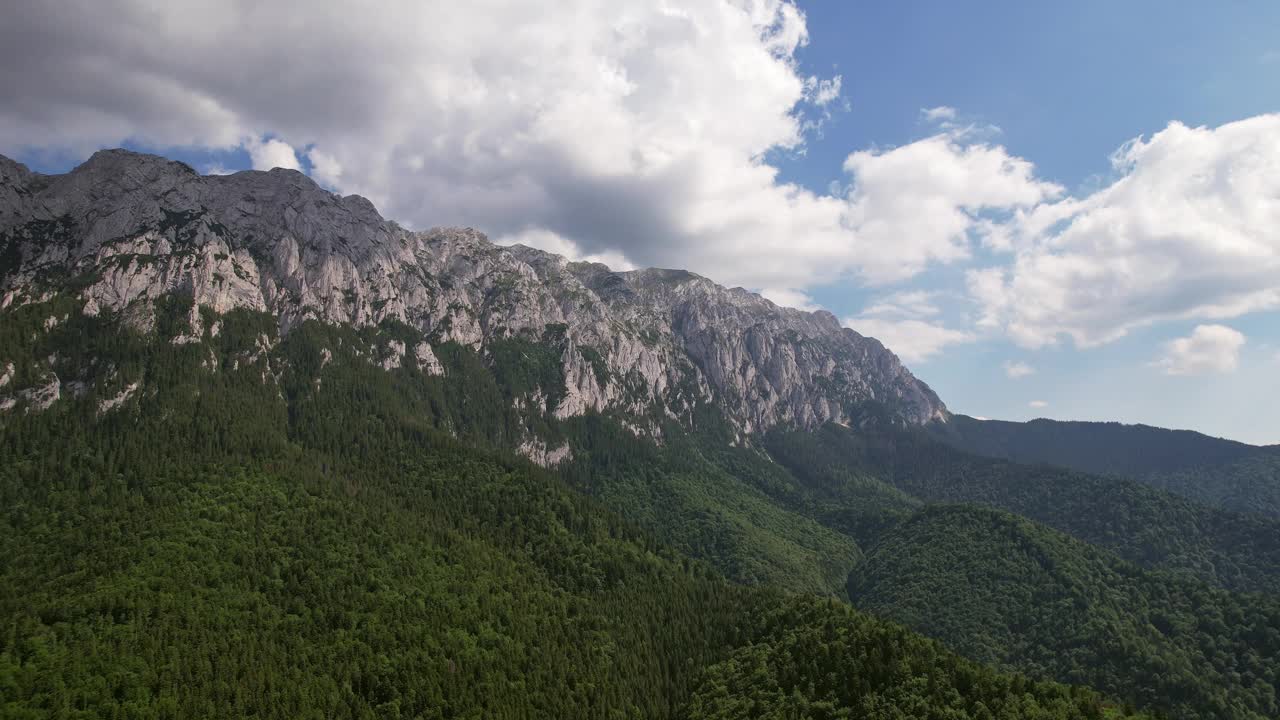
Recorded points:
823,92
942,113
1015,370
1038,404
553,243
906,303
642,137
1189,230
790,297
912,340
643,133
1209,349
272,153
325,168
905,322
918,203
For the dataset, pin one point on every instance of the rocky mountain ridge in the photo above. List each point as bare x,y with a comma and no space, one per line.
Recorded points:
124,229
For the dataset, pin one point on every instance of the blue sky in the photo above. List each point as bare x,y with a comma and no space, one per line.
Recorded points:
783,147
1067,84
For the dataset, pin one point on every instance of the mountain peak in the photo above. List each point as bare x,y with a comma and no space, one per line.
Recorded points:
12,171
131,161
139,226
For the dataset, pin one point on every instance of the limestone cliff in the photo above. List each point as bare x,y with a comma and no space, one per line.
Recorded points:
124,229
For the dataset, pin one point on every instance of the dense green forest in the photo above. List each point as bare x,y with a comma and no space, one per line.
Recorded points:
708,506
270,527
1107,448
1154,529
1216,472
1248,485
824,660
273,526
1005,590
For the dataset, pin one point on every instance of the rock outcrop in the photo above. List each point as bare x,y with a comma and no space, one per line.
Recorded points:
130,228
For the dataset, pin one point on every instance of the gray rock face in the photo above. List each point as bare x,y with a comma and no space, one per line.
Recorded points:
134,227
427,360
43,394
111,403
538,451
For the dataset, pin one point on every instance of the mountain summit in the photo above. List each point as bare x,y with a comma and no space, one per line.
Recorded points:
124,229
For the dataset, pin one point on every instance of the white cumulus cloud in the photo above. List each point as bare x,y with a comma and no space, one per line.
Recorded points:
911,340
1209,349
272,153
1189,230
553,243
325,168
823,91
643,136
905,303
643,132
1018,369
904,322
790,297
917,203
938,114
1038,404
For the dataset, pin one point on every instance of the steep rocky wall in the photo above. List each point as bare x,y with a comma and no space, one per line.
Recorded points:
124,229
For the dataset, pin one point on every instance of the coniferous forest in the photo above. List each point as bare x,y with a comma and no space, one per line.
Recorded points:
273,527
342,541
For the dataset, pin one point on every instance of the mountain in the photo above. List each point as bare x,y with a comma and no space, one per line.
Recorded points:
1152,528
1227,474
1094,447
124,229
246,523
1250,484
260,444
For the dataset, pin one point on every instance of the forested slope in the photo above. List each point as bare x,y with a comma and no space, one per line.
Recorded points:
273,527
1004,590
1248,485
1154,529
1222,473
1095,447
